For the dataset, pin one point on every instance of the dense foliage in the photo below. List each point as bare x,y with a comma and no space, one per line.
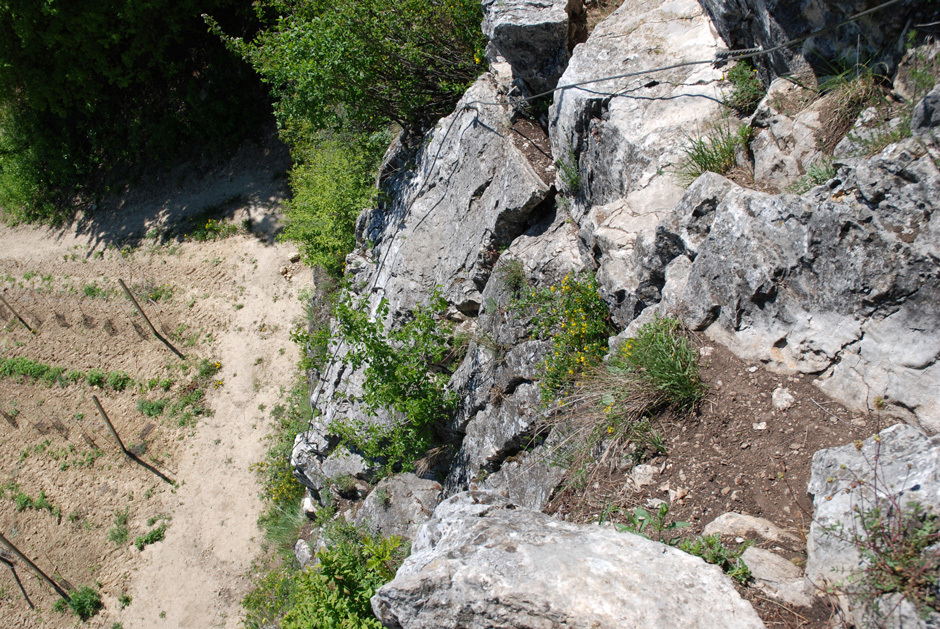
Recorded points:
403,377
575,318
87,88
333,594
367,63
333,180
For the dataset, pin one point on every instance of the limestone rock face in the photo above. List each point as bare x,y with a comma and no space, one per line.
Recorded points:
532,36
617,142
449,207
483,562
746,23
837,282
907,463
398,505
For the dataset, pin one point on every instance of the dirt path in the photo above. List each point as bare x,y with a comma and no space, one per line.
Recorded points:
230,301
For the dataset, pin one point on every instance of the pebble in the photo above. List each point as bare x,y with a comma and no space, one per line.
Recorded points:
752,369
760,426
725,491
795,446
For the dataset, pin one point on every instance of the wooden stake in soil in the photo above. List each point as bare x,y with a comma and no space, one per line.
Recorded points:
35,568
12,567
144,315
110,426
133,457
17,315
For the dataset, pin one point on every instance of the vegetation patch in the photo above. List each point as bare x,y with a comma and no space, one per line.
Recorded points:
576,320
405,375
614,408
712,153
151,537
336,592
746,88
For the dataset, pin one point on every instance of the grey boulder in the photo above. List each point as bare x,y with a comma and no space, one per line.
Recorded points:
483,562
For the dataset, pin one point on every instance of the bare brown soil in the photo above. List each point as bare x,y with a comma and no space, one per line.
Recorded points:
737,453
231,300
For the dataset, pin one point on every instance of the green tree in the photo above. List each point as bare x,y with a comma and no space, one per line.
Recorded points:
87,88
366,63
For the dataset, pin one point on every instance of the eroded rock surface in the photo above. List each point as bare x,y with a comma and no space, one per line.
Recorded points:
483,562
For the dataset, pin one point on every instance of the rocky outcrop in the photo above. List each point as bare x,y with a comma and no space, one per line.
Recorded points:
837,282
891,470
532,36
874,40
618,141
398,505
483,562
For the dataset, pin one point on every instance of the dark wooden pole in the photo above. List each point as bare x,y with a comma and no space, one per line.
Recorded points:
35,568
144,315
17,315
110,426
12,567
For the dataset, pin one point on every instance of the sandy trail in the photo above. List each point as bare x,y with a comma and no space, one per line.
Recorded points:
242,292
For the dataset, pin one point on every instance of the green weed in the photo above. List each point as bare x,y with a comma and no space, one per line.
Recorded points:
713,551
151,537
715,153
746,88
85,602
118,533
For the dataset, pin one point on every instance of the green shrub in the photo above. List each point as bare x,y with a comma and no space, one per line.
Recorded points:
151,537
151,408
333,180
23,367
402,375
118,380
87,88
746,88
85,602
575,318
336,593
662,356
96,378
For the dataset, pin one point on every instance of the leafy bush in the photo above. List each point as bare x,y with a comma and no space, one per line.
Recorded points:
577,321
118,380
151,408
365,64
662,356
85,602
402,376
96,378
712,154
746,88
817,173
333,181
23,367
